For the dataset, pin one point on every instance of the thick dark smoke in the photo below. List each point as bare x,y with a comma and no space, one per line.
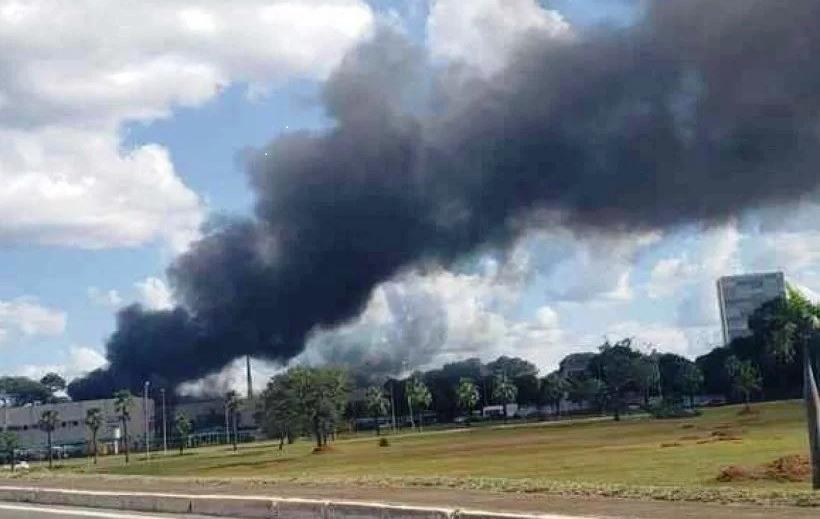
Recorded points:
698,112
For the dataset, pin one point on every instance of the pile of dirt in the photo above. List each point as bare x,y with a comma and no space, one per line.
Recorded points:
670,444
794,468
322,450
733,473
789,468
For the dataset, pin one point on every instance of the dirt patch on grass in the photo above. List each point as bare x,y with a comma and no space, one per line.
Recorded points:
326,449
670,444
794,468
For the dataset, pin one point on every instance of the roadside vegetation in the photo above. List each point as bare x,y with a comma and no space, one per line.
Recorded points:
684,457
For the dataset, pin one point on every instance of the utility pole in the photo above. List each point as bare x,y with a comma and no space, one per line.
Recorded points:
5,412
393,402
145,416
164,425
227,426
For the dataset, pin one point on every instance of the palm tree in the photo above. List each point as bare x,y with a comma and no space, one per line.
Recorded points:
504,391
419,396
183,426
232,404
376,404
94,420
467,395
123,401
48,422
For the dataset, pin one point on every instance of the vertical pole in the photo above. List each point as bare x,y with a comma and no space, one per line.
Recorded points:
410,406
393,402
145,416
164,425
227,426
812,401
250,379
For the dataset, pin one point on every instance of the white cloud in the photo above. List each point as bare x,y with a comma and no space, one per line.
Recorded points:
78,361
71,74
595,269
154,294
82,359
483,33
25,316
108,298
232,377
668,275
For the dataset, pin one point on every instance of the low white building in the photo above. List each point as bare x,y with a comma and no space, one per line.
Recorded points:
71,429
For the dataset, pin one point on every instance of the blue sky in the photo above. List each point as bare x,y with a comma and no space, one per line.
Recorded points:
150,128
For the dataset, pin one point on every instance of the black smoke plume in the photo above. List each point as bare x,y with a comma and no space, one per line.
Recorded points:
696,112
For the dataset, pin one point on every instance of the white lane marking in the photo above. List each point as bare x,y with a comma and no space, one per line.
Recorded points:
79,513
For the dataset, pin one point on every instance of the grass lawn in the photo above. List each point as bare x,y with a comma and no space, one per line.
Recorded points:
641,452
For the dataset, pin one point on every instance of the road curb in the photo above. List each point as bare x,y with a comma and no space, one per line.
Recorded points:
249,507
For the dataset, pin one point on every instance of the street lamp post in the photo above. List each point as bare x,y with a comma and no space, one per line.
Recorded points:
393,402
145,417
227,426
164,425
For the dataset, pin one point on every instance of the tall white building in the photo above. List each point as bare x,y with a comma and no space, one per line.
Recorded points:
740,296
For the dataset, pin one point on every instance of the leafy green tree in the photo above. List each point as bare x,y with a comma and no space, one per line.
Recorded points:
418,397
589,390
123,402
377,405
745,378
619,367
94,420
512,367
9,443
320,395
183,426
22,390
53,382
48,422
467,393
232,406
504,392
280,410
647,375
691,381
528,389
553,388
792,327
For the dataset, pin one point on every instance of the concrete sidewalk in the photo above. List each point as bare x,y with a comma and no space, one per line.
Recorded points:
244,506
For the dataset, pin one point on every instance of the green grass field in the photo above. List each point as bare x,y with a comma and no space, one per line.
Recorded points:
682,453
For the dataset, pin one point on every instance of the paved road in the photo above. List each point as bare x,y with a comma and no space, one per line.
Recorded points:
24,511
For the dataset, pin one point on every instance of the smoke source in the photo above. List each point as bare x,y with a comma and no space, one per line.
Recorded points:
695,113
